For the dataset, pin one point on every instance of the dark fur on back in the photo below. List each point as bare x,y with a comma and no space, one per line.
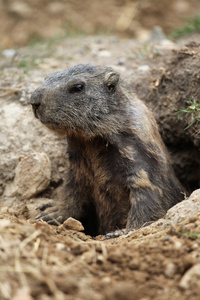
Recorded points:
120,173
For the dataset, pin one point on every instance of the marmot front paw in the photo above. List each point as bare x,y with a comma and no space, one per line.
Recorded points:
51,214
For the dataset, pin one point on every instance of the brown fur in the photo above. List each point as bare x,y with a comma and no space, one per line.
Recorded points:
119,170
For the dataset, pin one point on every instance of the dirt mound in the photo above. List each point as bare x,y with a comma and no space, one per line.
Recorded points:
174,85
39,261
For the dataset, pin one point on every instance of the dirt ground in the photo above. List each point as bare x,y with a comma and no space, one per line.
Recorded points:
23,21
39,261
43,262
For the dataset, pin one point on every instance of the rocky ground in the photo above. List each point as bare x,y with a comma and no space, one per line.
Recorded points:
39,261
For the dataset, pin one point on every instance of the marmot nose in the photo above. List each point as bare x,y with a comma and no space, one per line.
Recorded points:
36,100
35,105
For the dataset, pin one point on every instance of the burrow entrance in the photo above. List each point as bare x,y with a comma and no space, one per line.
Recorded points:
173,84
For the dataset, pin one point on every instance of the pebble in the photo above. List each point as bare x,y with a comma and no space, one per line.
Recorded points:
104,53
4,223
4,209
143,68
121,61
170,270
156,34
9,53
190,277
32,176
185,209
60,246
73,224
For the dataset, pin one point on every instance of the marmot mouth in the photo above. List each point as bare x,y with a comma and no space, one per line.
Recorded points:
35,111
55,127
35,107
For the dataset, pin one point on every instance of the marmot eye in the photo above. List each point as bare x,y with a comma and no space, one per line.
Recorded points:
111,88
76,88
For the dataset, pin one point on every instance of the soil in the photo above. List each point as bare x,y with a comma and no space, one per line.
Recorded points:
43,262
40,262
174,82
26,21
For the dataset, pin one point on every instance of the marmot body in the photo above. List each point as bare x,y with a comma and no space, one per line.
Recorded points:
119,172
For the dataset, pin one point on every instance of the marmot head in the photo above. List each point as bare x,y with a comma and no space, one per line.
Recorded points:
83,100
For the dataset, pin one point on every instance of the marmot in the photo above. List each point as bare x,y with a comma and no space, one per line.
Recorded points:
120,175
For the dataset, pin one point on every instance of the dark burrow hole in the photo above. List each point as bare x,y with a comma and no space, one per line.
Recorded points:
186,163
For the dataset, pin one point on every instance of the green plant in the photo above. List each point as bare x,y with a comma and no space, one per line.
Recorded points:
191,234
192,27
193,109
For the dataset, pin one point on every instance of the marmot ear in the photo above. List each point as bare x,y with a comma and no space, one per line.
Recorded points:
111,81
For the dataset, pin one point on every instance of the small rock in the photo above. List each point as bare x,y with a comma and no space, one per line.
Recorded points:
32,176
61,169
191,277
9,53
25,148
4,209
104,53
121,61
73,224
106,280
170,270
119,68
20,8
178,245
55,8
60,246
185,209
156,34
100,258
4,223
143,68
